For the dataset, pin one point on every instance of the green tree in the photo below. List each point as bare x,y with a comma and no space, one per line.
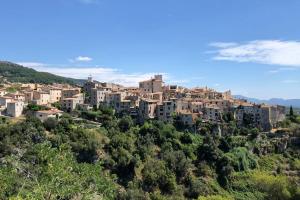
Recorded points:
291,113
155,175
125,123
55,174
275,187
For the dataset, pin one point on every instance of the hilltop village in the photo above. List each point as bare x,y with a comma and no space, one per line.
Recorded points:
151,100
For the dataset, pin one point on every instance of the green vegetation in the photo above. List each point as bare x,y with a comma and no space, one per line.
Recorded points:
34,107
17,73
62,159
13,88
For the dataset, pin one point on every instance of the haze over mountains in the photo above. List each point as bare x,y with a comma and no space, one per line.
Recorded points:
272,101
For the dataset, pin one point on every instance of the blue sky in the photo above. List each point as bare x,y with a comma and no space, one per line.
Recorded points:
251,47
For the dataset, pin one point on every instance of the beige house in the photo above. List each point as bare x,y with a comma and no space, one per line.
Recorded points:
28,96
124,106
188,118
151,86
165,110
69,93
158,96
212,113
70,104
55,95
41,98
98,96
30,86
45,114
15,108
147,108
223,104
113,99
91,84
16,96
261,116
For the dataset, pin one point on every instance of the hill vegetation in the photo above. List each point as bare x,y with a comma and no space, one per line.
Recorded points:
70,159
17,73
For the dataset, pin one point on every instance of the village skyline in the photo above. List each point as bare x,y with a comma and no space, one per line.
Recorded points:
198,43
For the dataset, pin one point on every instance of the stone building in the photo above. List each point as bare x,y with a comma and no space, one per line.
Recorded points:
15,108
165,110
98,96
45,114
41,98
55,95
70,104
151,86
69,93
147,108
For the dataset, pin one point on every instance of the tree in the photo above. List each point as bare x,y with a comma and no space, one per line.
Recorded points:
125,123
50,123
50,173
209,151
275,187
177,162
156,175
291,113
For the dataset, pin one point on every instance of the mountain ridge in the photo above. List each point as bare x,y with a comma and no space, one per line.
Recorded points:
272,101
13,72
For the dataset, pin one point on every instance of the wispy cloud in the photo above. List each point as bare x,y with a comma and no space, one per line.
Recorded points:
31,64
223,44
272,52
103,74
81,59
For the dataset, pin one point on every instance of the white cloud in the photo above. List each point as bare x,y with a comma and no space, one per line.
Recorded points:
222,44
82,59
31,64
272,52
103,74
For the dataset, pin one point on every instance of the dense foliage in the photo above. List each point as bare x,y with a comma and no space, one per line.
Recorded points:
17,73
74,158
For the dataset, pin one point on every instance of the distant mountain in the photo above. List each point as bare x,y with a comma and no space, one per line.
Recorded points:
18,73
274,101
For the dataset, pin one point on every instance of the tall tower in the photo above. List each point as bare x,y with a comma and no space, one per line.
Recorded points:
90,78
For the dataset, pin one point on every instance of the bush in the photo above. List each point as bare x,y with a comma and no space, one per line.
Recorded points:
275,187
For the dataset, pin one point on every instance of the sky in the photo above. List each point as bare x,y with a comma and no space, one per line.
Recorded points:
251,47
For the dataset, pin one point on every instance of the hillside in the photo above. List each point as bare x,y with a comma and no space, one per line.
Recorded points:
18,73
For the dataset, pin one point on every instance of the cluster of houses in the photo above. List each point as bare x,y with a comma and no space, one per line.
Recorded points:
155,100
12,104
151,100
